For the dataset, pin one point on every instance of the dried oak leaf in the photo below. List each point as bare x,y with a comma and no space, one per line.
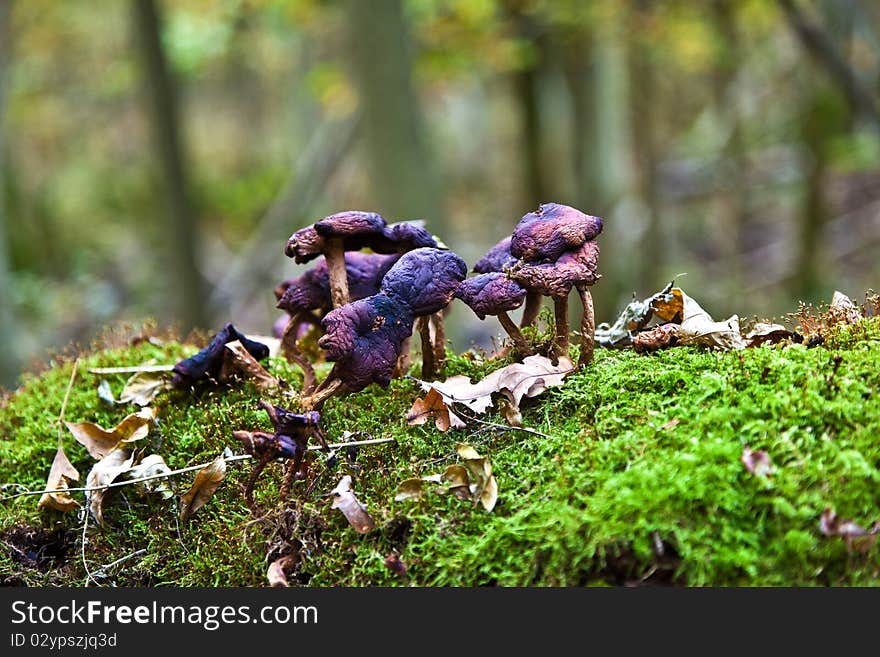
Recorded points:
237,361
142,388
104,473
433,404
206,483
356,513
696,326
757,462
279,570
100,442
61,475
527,379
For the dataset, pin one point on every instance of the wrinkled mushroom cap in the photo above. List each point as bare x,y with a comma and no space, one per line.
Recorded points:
365,338
311,290
425,279
497,258
355,228
555,279
491,294
404,236
550,231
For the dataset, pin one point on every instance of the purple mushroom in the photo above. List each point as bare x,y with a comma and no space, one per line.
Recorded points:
311,292
498,259
550,231
495,294
576,268
365,338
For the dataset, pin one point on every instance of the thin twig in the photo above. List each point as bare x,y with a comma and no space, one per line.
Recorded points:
505,427
133,369
86,514
229,459
64,403
100,572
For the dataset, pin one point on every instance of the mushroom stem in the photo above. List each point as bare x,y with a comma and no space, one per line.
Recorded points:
428,369
293,355
588,327
335,257
327,389
439,341
522,345
252,480
531,310
404,360
560,343
293,470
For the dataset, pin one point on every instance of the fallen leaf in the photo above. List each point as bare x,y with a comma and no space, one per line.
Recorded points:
395,564
484,488
433,404
843,310
659,337
280,568
105,394
237,361
151,466
762,333
509,409
142,388
831,524
696,325
633,319
103,473
61,475
100,442
206,483
410,489
671,424
757,462
527,379
356,513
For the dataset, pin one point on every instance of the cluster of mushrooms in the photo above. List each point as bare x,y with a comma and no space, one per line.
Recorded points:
367,304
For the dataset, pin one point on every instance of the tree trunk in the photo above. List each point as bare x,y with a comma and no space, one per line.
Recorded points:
179,227
381,60
9,361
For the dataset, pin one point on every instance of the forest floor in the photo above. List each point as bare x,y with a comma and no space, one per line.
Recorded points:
638,478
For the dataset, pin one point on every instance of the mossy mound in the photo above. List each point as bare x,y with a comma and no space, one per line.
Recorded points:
640,479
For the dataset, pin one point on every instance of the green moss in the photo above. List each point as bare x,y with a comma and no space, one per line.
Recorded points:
640,478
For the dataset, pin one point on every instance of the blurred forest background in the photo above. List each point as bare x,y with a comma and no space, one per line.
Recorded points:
156,154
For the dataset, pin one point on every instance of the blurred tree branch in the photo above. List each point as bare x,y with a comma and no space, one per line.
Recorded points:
8,354
185,285
822,49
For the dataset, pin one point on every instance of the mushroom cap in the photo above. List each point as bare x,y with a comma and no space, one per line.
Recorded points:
365,338
496,259
354,227
311,290
402,237
491,294
550,231
555,279
425,279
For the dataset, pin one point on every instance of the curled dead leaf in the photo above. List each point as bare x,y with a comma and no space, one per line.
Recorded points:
757,462
238,362
843,310
410,489
280,569
762,333
142,388
100,442
484,488
151,466
103,473
206,483
433,404
61,475
356,513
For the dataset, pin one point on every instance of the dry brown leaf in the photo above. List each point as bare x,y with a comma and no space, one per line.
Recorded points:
843,310
659,337
509,409
527,379
757,462
143,387
831,524
458,481
356,513
695,324
410,489
100,442
103,473
671,424
762,333
433,404
206,483
61,474
151,466
279,569
237,361
484,488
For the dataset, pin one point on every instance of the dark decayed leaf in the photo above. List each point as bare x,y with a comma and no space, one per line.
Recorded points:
762,333
207,363
757,462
